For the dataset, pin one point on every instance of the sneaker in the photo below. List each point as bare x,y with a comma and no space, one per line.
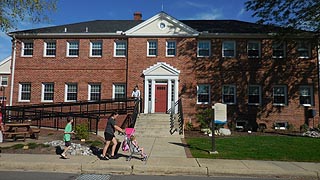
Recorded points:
114,157
63,156
102,157
144,158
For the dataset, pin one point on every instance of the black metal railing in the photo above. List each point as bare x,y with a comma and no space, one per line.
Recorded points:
176,118
53,114
131,119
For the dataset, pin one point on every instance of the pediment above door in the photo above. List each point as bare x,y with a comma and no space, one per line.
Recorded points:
161,68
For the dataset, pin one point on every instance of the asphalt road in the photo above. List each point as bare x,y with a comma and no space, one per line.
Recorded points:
14,175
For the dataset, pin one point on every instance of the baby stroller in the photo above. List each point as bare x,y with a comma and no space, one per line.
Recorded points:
129,145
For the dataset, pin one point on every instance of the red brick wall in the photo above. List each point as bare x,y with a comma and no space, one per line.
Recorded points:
214,70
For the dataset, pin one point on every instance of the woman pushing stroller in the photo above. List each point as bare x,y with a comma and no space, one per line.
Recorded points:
109,136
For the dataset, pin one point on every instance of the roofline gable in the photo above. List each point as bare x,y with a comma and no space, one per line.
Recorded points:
162,15
163,65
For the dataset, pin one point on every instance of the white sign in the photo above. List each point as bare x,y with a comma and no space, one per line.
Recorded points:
220,113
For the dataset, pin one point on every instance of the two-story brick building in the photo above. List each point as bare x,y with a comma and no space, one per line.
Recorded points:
261,78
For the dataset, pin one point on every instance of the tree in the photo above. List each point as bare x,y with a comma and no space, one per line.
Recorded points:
13,11
297,14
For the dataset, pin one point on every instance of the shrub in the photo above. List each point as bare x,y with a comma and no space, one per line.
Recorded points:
205,118
304,128
82,131
189,126
32,145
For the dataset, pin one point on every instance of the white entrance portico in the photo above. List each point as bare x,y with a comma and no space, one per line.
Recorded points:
161,85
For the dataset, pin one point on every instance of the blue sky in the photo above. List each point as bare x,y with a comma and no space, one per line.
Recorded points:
72,11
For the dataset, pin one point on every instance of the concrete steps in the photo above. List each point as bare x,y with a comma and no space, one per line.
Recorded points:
154,125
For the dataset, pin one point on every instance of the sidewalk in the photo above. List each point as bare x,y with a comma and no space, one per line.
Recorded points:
166,157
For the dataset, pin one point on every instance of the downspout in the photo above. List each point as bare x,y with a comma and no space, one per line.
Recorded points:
13,68
318,59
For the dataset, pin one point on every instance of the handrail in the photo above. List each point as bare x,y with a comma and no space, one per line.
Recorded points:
176,119
91,111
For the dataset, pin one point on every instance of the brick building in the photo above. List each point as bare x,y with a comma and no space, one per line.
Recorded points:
263,79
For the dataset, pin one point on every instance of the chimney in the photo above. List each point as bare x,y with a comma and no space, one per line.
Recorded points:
137,16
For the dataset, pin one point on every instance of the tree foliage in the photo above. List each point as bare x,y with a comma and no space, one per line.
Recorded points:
13,11
298,14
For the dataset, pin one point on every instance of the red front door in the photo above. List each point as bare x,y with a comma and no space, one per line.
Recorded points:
161,98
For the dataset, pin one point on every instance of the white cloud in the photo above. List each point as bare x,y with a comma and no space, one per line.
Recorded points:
196,5
211,15
241,12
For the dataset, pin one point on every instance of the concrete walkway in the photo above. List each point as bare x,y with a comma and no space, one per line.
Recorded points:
166,157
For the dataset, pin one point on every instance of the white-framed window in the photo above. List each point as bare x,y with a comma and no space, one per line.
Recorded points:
50,48
119,91
27,48
96,48
47,94
278,50
228,49
204,48
254,49
4,81
24,92
152,48
94,92
120,48
306,95
171,48
203,94
304,49
73,48
229,94
280,95
71,92
254,95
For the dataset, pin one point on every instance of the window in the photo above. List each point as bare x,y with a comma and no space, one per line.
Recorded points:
73,49
303,49
171,48
50,48
47,92
4,80
254,96
119,91
229,94
278,50
253,49
71,92
306,95
120,48
27,48
152,48
203,94
204,48
96,49
24,92
229,49
94,92
280,95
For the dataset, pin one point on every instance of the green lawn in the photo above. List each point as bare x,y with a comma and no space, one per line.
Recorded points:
280,148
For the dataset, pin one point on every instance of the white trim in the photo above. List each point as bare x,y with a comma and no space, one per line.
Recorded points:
163,16
91,44
45,48
115,48
68,48
20,93
23,48
42,92
234,49
168,75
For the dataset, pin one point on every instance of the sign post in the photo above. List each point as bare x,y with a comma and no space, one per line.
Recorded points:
219,117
